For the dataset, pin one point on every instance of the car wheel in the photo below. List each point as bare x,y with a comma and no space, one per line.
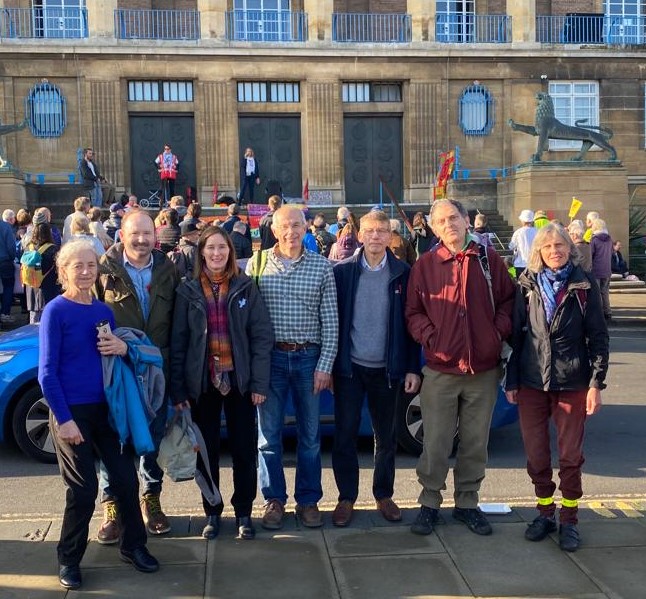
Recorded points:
31,426
410,430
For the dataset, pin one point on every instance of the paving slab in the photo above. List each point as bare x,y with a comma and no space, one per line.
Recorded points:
505,564
379,541
273,566
613,533
620,571
391,577
179,582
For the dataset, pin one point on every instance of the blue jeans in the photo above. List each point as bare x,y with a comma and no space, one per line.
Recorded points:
149,471
291,371
96,195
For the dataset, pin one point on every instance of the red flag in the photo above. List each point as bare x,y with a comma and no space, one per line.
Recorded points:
306,190
215,193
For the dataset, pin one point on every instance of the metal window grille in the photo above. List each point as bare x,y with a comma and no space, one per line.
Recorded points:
46,110
361,91
264,91
476,110
160,91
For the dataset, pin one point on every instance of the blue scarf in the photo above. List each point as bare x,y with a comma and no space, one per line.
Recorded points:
550,282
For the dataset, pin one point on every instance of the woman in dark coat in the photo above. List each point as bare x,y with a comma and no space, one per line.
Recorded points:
220,359
556,372
41,237
424,238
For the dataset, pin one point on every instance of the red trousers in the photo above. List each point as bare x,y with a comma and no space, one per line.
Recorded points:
567,410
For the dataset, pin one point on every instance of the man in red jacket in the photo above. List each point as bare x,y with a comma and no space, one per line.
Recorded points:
458,308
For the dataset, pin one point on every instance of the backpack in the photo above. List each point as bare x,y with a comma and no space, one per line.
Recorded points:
31,271
258,264
324,241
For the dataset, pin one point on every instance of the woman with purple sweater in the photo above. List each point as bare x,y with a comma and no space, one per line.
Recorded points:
71,344
601,251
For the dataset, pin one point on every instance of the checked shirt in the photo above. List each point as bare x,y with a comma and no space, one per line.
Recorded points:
302,302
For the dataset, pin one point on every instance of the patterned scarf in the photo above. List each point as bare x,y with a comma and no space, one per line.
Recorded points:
550,283
216,289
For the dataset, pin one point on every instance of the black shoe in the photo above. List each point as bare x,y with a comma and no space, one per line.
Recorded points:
70,576
569,537
141,559
540,528
474,519
245,528
425,521
212,528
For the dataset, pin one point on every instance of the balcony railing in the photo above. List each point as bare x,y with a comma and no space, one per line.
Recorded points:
591,29
266,26
460,28
58,23
371,28
157,24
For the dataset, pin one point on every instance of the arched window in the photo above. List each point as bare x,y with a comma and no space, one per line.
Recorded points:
476,110
46,110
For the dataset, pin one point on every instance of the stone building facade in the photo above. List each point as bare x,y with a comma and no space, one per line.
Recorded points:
353,89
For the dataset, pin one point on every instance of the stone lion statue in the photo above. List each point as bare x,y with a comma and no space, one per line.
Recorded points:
546,127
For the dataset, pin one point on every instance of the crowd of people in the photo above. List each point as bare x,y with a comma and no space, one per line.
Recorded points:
349,307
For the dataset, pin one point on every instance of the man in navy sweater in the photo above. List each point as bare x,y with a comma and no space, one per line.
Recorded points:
375,353
7,270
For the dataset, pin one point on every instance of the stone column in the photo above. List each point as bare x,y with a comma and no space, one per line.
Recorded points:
100,16
319,18
523,20
423,15
212,18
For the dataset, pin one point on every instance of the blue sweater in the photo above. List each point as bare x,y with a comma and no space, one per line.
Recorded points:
69,363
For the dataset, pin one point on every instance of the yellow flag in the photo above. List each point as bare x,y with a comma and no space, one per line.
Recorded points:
574,207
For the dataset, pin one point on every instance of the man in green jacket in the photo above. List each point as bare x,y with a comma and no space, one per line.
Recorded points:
138,283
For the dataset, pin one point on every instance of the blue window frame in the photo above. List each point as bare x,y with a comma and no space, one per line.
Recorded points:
46,110
476,110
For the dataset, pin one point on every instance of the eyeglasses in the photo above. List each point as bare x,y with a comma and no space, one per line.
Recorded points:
370,232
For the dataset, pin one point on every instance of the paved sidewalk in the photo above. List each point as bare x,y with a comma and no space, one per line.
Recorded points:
371,559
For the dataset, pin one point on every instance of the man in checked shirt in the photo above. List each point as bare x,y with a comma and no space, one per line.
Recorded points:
299,289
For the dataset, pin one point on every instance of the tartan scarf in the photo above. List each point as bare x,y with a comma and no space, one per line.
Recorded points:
216,289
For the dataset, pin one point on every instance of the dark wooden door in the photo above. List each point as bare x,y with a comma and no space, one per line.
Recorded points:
276,142
148,134
372,146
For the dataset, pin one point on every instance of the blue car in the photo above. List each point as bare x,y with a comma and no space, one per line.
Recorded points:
24,413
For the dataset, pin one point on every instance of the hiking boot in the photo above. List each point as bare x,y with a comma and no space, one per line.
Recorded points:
569,539
154,518
308,515
212,527
342,513
426,519
273,517
245,528
109,531
540,528
474,519
389,509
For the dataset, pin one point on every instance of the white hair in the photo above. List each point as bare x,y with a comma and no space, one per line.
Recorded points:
395,225
8,214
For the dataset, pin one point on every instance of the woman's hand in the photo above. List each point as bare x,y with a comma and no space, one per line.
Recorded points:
184,405
512,396
257,399
70,433
111,345
593,401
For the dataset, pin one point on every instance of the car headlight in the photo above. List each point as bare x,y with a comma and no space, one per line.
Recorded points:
5,356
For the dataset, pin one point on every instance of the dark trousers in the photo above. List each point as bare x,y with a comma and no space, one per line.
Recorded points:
78,469
8,277
604,288
349,393
247,183
240,415
567,410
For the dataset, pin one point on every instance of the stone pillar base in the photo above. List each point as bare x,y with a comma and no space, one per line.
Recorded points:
550,186
12,191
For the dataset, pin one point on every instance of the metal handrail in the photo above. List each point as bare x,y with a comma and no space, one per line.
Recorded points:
266,26
371,28
591,29
43,23
468,28
156,24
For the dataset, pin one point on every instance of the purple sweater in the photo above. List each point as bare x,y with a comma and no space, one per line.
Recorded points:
69,363
601,250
